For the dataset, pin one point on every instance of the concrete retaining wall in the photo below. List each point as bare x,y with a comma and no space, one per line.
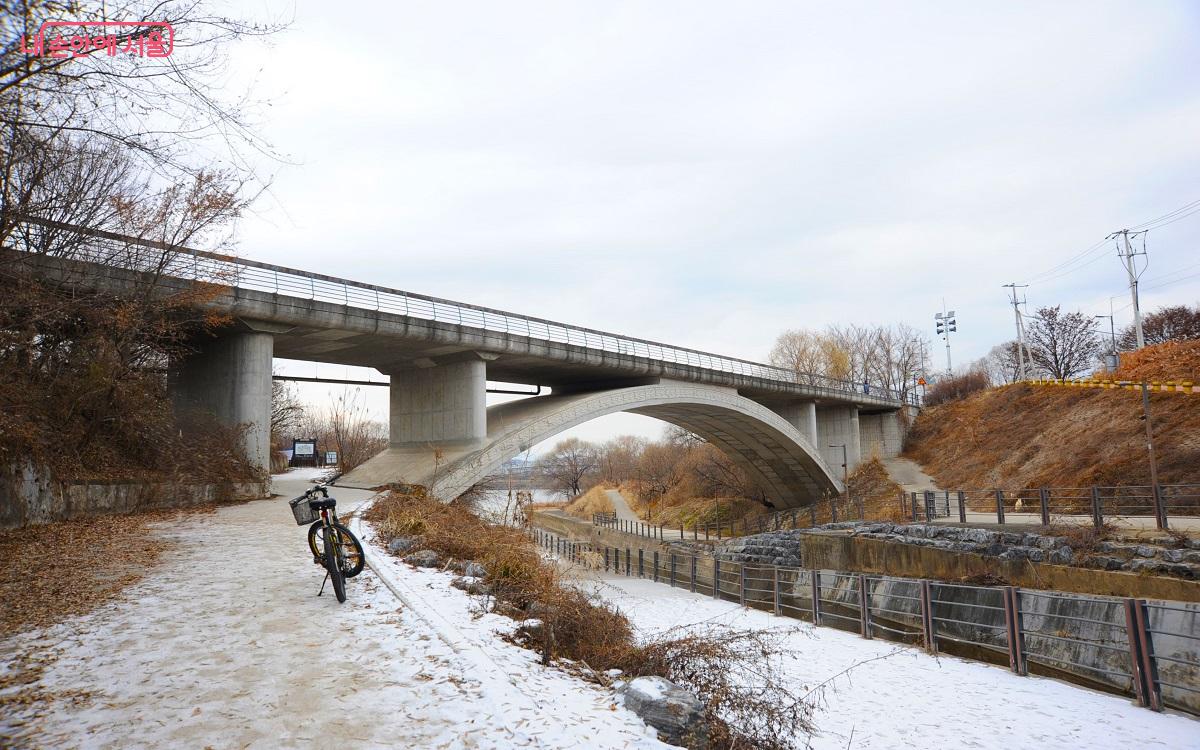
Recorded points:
32,499
969,621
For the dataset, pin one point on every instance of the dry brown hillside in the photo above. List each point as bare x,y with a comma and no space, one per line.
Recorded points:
1022,436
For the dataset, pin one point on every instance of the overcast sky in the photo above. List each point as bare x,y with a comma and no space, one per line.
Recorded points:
709,174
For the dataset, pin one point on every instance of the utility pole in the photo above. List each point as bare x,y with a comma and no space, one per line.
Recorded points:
945,325
1126,252
1160,517
1021,348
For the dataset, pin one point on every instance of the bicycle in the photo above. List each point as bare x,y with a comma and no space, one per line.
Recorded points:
332,545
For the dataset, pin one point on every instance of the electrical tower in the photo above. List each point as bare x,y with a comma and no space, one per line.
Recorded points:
1127,254
1022,349
945,326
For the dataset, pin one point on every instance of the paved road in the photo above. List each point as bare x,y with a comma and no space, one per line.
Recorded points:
908,474
226,645
621,508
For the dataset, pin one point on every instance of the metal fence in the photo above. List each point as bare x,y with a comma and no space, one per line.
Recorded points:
189,264
1148,650
1046,505
830,510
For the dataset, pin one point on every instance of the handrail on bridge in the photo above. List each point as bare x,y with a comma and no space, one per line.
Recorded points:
200,265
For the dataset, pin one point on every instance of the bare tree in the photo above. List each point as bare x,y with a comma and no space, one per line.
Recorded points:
811,355
1002,365
1064,345
566,467
287,412
617,459
356,436
1173,323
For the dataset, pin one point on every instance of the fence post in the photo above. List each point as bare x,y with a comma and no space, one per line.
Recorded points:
812,514
672,570
815,580
1044,498
693,573
656,566
1135,653
1097,508
628,561
1012,624
864,606
927,617
947,503
641,563
605,559
914,507
1160,507
903,503
1000,507
1149,668
775,588
962,507
833,508
716,578
742,585
930,507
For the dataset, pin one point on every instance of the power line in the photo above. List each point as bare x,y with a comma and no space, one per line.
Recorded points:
1090,255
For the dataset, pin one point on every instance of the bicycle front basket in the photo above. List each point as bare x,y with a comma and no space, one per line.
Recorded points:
302,511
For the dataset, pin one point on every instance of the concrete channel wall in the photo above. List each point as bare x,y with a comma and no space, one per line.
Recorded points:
1079,638
30,499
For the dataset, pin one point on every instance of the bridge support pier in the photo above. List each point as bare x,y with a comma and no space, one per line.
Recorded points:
838,425
803,416
230,377
439,403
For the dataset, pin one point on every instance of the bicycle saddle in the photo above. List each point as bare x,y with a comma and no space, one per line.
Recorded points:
322,504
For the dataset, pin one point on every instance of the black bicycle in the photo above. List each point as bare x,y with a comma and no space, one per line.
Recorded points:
331,544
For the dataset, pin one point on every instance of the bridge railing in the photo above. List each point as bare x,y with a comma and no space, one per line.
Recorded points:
197,265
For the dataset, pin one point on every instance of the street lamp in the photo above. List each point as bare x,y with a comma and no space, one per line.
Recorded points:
945,326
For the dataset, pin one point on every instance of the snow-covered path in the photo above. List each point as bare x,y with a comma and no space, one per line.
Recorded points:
226,645
908,699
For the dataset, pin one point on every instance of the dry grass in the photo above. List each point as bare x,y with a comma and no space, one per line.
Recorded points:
1039,436
52,572
1170,361
746,707
595,500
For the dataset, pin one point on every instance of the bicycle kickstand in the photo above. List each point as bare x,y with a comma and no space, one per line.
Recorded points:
322,591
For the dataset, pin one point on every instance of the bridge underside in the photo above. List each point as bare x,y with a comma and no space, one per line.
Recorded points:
772,451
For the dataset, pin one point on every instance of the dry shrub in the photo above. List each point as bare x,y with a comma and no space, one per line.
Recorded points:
1024,435
595,500
746,705
1169,361
956,387
1085,538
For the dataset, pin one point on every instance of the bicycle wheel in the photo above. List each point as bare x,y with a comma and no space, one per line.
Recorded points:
352,551
335,571
315,543
353,558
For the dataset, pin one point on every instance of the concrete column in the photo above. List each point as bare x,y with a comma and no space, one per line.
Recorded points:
854,448
440,404
838,425
230,378
802,415
893,433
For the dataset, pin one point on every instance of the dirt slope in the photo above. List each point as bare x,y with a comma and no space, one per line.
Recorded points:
1030,436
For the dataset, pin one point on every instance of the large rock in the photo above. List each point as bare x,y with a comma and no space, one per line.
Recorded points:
401,544
674,711
424,558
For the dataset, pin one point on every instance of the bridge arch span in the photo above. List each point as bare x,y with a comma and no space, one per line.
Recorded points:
764,444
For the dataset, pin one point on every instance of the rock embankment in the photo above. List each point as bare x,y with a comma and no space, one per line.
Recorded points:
1163,555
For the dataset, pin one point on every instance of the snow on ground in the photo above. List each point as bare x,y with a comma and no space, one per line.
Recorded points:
908,699
227,645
